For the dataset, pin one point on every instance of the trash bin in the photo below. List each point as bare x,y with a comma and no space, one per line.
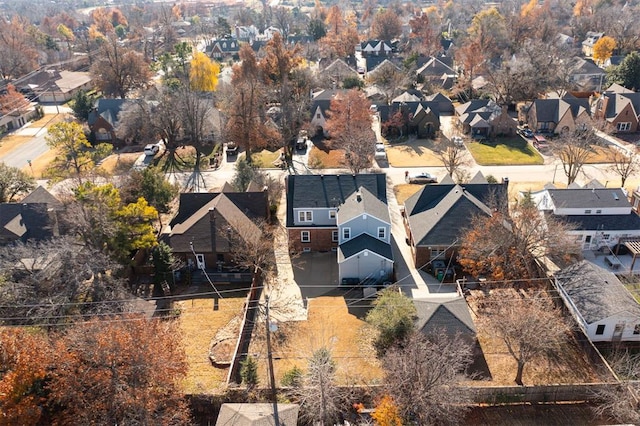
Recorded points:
440,275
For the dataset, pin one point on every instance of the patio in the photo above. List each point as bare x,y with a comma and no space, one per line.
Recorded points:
608,261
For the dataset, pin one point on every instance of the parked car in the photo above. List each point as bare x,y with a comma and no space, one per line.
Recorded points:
540,143
457,141
232,149
526,132
381,153
422,178
151,150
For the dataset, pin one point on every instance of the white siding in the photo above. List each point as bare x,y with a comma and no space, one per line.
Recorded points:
360,225
624,319
366,265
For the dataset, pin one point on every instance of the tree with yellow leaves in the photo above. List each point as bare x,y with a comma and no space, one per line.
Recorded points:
203,73
603,49
387,413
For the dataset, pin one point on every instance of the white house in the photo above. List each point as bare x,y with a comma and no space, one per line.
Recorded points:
364,238
598,216
600,303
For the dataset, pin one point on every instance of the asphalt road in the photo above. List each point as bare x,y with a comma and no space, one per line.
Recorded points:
27,151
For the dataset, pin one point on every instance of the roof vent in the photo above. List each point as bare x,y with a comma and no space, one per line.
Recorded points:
358,196
615,196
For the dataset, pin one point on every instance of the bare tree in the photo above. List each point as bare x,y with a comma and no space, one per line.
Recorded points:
624,164
319,396
453,157
422,374
622,400
574,150
520,324
389,78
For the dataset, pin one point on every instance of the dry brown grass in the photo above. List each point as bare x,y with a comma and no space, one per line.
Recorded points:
319,159
601,154
40,164
119,163
413,153
11,142
570,365
199,324
404,191
49,119
329,325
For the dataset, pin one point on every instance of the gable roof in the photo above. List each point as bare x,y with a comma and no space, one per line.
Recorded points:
595,293
450,315
322,99
552,110
197,228
361,243
24,221
339,66
256,414
41,195
324,191
107,109
363,202
252,204
435,67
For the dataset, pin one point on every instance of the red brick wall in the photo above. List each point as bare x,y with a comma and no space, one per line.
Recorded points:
320,239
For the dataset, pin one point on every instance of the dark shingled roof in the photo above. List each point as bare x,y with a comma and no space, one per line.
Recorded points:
252,204
41,195
450,315
588,198
324,191
596,293
599,222
361,202
107,109
20,221
364,242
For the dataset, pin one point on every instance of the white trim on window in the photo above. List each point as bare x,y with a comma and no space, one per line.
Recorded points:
305,237
624,127
305,216
334,236
346,233
332,214
382,233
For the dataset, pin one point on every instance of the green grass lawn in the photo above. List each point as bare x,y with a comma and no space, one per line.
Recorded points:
264,159
504,151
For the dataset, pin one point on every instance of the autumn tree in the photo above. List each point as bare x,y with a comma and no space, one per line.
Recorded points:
203,73
424,37
246,122
454,158
386,412
124,370
488,30
603,49
389,78
518,321
25,358
76,157
150,184
14,182
421,376
392,316
12,101
119,70
341,34
471,58
386,25
47,283
625,164
66,34
503,247
19,56
349,126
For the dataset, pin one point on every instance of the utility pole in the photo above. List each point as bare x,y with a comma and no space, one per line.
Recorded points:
274,393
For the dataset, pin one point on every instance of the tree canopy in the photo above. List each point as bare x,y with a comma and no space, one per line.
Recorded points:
14,182
392,315
203,73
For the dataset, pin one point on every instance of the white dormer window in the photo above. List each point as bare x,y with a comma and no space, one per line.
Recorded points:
346,233
332,214
305,216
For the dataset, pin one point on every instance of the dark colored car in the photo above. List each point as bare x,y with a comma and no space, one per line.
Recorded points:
526,132
422,178
232,149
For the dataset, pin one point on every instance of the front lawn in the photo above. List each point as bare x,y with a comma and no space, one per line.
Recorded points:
504,151
265,159
413,153
405,190
601,154
319,159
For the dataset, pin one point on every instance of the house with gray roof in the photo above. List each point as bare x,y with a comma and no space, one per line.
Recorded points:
27,221
597,216
482,118
103,119
257,414
556,115
320,104
450,315
589,42
434,216
602,306
619,109
343,213
208,227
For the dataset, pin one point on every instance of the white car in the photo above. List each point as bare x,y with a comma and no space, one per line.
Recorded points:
457,141
151,150
380,153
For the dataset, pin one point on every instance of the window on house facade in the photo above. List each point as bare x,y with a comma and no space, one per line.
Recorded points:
382,233
600,329
305,216
305,236
437,253
334,236
346,233
332,214
587,212
598,211
606,236
624,127
318,116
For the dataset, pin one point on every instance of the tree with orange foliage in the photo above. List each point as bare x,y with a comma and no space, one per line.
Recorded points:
386,25
106,19
387,413
424,37
603,49
24,360
12,101
471,57
119,370
246,123
18,55
349,126
341,37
